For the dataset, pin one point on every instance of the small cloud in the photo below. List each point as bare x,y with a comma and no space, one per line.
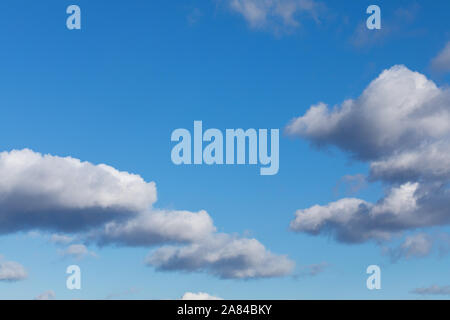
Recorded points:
61,239
77,251
419,245
351,184
314,269
47,295
433,290
363,37
199,296
155,227
194,16
11,271
222,255
441,63
415,246
276,15
33,234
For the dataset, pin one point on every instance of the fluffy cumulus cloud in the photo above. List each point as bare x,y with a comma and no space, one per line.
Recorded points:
47,295
98,204
11,271
224,256
400,125
199,248
353,220
157,227
199,296
433,290
441,63
398,112
65,194
275,14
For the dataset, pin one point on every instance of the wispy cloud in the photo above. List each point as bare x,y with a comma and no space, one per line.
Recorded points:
441,63
77,251
351,184
194,16
313,269
47,295
432,290
276,15
415,246
398,25
61,239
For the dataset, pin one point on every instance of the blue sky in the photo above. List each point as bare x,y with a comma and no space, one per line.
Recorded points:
114,91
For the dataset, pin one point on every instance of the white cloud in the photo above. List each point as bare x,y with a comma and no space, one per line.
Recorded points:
50,192
274,14
441,62
417,245
428,161
199,296
156,227
99,204
61,239
397,112
11,271
77,251
408,206
224,256
320,218
400,125
47,295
